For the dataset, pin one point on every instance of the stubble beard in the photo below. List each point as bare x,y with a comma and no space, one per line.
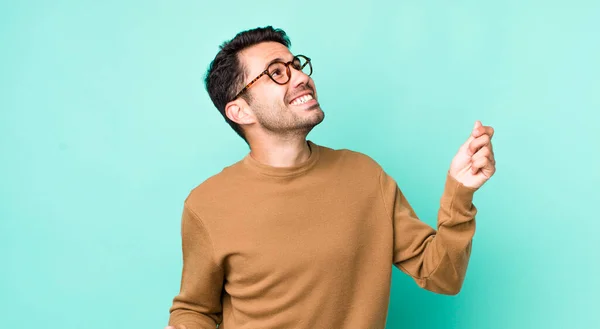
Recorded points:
285,122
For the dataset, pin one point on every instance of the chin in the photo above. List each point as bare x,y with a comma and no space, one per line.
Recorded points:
321,115
316,112
317,117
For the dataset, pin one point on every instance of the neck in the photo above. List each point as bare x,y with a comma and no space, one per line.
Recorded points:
280,153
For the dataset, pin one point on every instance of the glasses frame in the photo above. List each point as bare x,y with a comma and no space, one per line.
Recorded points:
288,72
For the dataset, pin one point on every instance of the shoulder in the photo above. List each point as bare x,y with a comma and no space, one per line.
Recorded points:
216,188
347,158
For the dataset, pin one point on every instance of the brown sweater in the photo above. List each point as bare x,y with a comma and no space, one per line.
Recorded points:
312,246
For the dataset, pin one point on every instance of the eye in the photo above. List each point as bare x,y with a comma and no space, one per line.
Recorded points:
276,72
297,64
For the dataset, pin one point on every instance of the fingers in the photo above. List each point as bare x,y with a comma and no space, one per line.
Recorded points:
483,160
485,164
477,143
479,130
479,147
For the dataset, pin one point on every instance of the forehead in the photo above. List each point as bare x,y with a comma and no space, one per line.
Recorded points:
256,58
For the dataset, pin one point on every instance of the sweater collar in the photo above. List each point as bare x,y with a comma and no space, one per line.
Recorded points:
265,169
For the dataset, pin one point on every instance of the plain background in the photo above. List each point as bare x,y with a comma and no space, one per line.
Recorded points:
105,127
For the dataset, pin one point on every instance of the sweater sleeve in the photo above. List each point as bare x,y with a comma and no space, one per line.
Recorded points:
436,259
198,304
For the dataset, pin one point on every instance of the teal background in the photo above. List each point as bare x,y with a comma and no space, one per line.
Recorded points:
105,127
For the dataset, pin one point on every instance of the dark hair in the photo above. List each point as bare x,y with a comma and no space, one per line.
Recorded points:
226,74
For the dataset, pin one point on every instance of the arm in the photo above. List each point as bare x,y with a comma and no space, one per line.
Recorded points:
198,304
436,260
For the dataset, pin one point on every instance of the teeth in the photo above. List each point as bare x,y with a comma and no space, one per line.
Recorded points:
302,99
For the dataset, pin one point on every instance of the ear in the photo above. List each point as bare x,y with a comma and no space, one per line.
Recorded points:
239,112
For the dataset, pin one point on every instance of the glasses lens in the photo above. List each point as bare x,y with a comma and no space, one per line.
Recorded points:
301,64
278,72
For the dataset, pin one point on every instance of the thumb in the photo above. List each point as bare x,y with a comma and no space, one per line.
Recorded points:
477,125
465,145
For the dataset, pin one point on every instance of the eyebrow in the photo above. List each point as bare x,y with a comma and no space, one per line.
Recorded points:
278,59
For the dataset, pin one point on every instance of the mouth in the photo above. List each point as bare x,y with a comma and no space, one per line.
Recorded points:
305,98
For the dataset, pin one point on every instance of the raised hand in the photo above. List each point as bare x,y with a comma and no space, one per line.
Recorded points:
474,163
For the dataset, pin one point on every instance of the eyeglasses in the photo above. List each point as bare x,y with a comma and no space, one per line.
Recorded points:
276,70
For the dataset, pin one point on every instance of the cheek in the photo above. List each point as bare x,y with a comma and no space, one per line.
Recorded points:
276,95
269,102
312,85
271,95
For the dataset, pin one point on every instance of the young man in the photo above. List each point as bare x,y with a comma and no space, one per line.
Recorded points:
298,235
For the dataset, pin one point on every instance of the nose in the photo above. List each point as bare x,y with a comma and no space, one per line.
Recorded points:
298,77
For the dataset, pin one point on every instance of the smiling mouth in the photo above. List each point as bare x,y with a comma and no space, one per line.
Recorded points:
301,99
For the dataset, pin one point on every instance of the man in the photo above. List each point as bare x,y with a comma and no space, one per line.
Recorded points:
298,235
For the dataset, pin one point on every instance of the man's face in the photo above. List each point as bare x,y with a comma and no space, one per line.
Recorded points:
276,106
